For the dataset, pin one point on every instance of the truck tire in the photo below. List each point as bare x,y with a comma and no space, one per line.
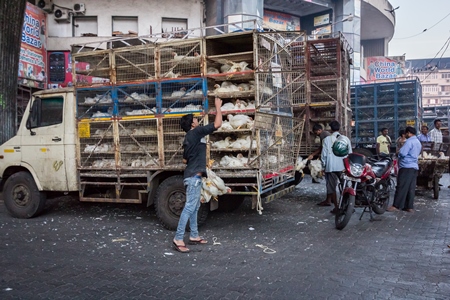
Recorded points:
366,152
169,203
22,198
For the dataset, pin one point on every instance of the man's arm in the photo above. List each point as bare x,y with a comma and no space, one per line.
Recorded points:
323,155
378,148
218,119
311,156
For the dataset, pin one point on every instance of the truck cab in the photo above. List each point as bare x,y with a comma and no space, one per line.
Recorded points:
42,155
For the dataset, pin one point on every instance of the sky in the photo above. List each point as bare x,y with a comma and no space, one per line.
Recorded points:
412,18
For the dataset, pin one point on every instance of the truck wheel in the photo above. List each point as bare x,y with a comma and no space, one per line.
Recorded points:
169,203
366,152
22,197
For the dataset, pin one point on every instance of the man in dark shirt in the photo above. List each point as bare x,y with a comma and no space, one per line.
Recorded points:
194,155
322,134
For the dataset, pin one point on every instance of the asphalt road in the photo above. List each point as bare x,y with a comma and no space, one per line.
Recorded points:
292,251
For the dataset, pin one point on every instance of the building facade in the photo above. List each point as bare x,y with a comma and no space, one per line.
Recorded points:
368,25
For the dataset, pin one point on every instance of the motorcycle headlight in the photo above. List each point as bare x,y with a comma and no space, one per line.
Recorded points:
356,169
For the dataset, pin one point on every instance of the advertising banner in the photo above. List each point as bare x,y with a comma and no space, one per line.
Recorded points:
33,56
385,68
322,20
280,21
60,71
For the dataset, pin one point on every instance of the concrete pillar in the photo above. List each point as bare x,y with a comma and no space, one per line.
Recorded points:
351,31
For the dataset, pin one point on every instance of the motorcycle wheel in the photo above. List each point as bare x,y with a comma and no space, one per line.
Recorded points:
379,205
345,211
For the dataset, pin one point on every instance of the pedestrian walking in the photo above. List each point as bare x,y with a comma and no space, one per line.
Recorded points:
408,170
194,154
332,164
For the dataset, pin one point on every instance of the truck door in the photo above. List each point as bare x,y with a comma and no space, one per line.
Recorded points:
43,148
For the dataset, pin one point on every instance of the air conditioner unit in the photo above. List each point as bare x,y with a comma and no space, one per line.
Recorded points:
46,5
79,8
62,15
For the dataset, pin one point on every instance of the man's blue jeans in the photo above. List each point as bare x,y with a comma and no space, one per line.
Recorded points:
193,189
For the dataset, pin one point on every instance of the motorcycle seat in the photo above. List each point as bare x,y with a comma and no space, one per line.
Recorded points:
383,162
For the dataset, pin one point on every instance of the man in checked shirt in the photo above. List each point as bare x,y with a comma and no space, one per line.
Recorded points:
436,135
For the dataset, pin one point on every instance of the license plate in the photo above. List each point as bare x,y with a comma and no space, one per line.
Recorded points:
352,178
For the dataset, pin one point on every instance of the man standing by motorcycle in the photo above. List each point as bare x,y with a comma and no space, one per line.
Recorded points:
407,174
332,164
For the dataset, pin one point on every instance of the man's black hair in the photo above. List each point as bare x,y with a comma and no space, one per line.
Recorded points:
383,129
401,131
411,130
435,121
186,122
317,127
335,126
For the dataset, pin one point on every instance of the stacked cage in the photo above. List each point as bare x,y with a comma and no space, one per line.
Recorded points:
279,75
229,69
327,86
180,59
393,105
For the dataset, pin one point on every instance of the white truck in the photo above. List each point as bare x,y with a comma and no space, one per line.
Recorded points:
121,142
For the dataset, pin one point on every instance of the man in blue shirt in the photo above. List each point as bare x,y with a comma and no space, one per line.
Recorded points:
424,137
407,174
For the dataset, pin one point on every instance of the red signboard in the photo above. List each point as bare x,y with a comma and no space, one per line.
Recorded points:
33,56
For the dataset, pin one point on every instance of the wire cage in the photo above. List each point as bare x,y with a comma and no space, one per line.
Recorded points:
96,146
230,56
94,102
92,63
180,59
183,96
323,57
135,63
138,144
138,99
280,51
279,139
173,137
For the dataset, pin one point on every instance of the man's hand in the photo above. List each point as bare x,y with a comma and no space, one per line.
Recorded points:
310,157
218,103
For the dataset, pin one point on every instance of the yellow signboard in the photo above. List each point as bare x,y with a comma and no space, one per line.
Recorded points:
84,130
410,122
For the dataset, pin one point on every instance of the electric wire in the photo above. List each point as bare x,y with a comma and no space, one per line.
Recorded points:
425,30
446,44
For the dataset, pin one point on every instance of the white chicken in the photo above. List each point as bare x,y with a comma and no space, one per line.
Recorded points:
171,74
242,143
237,121
300,164
223,144
251,105
179,93
228,106
226,126
315,166
213,186
212,70
240,104
177,57
231,162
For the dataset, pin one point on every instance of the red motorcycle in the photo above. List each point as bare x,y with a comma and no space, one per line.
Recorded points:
364,183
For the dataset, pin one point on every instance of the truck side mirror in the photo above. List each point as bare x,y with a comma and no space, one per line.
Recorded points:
33,117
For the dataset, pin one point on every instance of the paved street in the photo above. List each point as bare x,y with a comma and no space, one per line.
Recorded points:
104,251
